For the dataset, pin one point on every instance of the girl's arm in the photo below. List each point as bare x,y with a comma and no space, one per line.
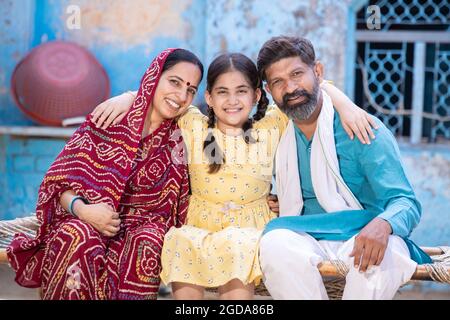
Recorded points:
354,119
113,110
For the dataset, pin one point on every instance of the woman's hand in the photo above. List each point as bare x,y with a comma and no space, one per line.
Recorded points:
112,110
101,216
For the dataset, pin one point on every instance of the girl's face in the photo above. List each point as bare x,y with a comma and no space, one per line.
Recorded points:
232,99
176,90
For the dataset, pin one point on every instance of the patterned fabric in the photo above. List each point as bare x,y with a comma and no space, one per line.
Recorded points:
227,210
145,180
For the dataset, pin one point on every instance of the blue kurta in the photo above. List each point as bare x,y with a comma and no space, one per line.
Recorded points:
375,175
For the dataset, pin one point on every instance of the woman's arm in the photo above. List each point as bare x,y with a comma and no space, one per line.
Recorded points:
100,216
113,110
354,119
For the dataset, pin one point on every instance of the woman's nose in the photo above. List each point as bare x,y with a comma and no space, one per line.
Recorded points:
183,96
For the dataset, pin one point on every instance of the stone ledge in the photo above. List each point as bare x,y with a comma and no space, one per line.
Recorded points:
48,132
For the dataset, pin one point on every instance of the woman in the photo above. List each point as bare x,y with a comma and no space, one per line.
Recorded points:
110,196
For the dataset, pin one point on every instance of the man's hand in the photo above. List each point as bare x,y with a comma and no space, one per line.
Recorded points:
370,244
272,201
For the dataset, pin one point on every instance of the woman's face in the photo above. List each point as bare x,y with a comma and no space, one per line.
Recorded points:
176,90
232,99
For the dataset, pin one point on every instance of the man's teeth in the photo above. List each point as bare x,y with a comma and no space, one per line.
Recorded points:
173,104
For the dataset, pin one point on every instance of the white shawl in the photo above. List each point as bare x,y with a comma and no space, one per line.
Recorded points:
331,191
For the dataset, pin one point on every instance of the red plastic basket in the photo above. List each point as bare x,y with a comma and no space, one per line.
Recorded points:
58,80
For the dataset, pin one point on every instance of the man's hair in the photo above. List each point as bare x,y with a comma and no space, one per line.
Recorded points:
281,47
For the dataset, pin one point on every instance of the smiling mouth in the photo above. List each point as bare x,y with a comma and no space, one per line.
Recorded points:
296,99
232,110
173,104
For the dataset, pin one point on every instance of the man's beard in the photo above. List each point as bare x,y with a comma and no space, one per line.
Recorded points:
304,109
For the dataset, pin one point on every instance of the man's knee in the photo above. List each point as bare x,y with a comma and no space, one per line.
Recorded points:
397,246
278,246
272,242
396,263
397,257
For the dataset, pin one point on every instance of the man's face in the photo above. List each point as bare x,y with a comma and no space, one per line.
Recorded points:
294,86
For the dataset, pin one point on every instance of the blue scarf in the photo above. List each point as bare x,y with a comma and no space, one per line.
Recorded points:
338,226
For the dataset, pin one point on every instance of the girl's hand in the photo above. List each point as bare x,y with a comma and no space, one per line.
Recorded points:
112,111
100,216
272,201
357,121
354,119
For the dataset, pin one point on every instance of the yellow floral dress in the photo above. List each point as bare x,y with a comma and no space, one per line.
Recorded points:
227,210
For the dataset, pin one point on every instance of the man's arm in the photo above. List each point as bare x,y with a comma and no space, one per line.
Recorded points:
381,164
354,119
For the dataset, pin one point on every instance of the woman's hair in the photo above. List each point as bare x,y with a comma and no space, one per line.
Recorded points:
182,55
222,64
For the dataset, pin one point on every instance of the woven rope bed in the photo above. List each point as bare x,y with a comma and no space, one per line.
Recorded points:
333,272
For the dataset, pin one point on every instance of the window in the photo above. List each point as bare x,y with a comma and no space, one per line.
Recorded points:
402,70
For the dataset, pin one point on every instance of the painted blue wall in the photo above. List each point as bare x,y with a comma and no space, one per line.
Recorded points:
16,32
23,164
25,24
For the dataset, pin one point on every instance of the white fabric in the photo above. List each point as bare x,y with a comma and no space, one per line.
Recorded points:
329,187
289,263
287,178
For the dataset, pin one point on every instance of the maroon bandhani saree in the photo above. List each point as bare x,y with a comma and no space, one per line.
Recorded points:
146,180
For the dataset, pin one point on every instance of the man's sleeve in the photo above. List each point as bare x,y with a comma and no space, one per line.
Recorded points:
382,166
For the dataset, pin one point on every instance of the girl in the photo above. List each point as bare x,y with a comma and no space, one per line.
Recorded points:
111,195
218,247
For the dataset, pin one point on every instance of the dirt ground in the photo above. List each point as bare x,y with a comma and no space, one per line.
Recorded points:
9,290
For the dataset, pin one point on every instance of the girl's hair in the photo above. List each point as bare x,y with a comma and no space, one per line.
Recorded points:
222,64
182,55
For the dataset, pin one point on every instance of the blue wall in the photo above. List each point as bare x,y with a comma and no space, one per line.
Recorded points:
120,34
23,164
17,25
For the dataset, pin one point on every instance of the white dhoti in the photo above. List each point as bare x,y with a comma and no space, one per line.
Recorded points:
289,262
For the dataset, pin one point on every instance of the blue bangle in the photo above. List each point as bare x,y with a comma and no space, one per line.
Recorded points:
73,201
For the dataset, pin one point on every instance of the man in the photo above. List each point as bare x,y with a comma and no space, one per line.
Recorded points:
339,199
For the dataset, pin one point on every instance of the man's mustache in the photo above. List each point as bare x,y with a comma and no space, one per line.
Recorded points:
296,94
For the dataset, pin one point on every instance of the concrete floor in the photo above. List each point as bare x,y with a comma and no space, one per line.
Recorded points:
9,290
